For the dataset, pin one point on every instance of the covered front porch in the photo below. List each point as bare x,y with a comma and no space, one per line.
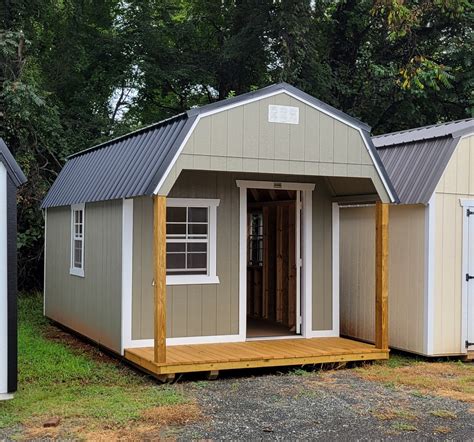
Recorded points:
165,360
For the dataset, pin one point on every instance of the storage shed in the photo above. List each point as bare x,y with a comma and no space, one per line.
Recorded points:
11,177
431,250
209,241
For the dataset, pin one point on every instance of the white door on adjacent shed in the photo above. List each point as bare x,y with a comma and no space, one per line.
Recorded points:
470,277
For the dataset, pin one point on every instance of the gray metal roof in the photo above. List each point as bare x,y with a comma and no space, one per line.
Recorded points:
132,165
13,169
451,128
125,167
416,159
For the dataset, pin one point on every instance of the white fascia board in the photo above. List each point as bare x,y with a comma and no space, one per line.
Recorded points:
127,274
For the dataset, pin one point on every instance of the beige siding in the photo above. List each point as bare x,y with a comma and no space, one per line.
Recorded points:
406,275
456,183
322,258
89,305
206,310
242,140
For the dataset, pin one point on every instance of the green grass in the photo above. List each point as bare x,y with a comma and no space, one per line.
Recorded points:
58,380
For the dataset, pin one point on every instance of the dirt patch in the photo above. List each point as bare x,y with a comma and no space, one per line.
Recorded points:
150,425
448,379
78,345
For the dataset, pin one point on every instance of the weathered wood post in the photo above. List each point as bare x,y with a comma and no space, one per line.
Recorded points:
381,277
159,256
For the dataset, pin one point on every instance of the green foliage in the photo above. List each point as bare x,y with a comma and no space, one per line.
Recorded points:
73,73
56,380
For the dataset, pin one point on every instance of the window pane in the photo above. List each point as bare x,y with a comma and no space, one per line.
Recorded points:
197,229
176,229
175,261
78,254
176,247
176,214
197,215
197,247
197,260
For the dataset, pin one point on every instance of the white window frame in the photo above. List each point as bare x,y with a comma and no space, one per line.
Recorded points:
211,277
73,270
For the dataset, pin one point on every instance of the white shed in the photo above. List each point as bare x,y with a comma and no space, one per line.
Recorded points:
431,247
11,177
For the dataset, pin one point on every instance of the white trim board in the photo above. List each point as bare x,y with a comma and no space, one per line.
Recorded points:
3,281
429,301
306,240
211,276
127,273
261,97
465,204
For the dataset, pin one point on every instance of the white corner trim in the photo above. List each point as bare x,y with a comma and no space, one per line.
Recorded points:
429,302
335,268
3,281
127,273
465,203
307,267
276,185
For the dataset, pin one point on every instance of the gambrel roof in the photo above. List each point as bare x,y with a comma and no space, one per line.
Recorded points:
136,163
415,159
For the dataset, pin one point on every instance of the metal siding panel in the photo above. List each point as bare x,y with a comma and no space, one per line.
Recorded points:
416,168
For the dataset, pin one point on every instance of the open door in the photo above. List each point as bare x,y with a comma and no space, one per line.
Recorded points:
273,263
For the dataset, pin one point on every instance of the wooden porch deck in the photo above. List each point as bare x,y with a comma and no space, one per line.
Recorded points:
253,354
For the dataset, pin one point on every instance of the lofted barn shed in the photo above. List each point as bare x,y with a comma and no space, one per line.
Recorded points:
210,240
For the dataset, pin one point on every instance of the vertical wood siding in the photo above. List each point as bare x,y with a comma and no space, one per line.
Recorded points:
456,183
242,140
207,310
89,305
406,275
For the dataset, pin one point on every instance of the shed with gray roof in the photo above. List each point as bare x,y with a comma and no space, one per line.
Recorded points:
431,242
273,160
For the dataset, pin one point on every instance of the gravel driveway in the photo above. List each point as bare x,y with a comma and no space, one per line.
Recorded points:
321,405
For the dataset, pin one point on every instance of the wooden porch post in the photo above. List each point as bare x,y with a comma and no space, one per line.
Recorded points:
381,277
159,272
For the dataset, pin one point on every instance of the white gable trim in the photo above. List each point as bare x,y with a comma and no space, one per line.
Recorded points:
261,97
